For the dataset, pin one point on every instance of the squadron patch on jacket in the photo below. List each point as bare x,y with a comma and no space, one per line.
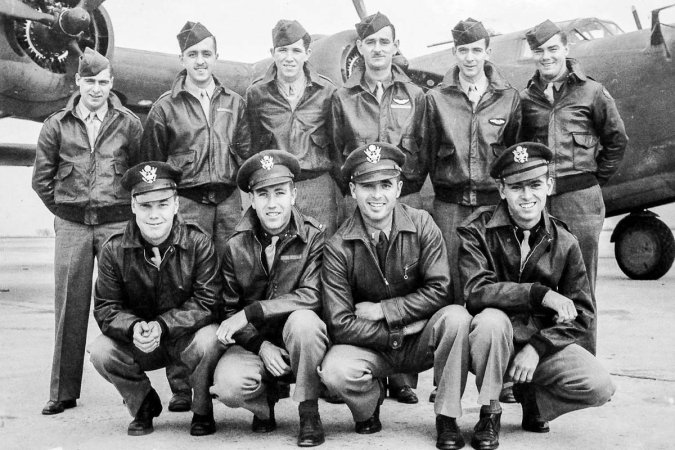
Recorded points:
498,121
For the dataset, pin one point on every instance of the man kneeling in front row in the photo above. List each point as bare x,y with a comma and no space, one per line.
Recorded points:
156,301
271,272
525,281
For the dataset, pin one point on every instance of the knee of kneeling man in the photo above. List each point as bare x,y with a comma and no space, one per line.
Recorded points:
100,351
491,319
206,342
306,323
455,316
601,389
332,374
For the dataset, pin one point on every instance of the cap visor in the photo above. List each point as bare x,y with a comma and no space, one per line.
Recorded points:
535,172
271,182
377,175
153,196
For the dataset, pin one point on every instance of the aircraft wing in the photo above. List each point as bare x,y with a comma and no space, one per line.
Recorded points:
17,154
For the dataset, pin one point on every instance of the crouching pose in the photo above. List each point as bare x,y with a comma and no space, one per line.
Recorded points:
272,282
386,285
525,281
156,301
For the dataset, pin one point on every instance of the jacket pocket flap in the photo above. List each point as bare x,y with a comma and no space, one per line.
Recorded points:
120,168
585,140
320,139
409,145
64,171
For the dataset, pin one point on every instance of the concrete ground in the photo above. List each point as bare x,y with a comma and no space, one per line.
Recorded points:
636,340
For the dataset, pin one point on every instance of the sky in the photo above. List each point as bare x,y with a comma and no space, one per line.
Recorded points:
243,29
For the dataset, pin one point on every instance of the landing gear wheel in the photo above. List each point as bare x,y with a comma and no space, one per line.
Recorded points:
644,248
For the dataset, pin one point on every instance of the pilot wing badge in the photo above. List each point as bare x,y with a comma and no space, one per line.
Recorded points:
520,155
149,174
402,103
373,154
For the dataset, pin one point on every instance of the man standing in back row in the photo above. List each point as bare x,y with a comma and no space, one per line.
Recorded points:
577,119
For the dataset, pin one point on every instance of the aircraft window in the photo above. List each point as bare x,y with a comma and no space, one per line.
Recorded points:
525,52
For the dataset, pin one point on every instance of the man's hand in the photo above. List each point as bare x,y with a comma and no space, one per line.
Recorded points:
524,364
230,326
414,328
275,359
146,336
369,311
563,306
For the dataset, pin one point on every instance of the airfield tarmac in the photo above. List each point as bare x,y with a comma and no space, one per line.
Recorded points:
636,340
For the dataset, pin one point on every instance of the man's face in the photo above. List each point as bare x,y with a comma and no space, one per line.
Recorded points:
94,91
273,205
155,218
471,59
376,200
290,59
550,57
526,199
378,49
199,61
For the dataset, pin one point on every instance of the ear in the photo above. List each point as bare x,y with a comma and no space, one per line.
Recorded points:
359,46
294,195
272,52
352,188
396,45
250,197
501,187
549,186
133,205
309,52
77,79
488,52
400,187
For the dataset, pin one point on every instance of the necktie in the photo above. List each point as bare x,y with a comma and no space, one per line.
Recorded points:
291,91
474,96
548,92
270,250
524,248
93,125
156,259
379,92
381,248
206,104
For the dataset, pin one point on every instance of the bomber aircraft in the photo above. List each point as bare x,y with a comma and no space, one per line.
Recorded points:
40,41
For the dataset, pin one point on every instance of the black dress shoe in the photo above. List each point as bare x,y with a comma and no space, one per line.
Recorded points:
448,435
202,424
404,395
370,425
57,407
532,421
265,425
506,395
150,408
486,431
180,402
432,396
311,430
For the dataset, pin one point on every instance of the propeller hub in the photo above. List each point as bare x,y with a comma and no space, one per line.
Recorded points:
74,21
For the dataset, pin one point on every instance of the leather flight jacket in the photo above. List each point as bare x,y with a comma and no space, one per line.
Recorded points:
357,119
582,128
80,183
413,286
489,265
301,131
464,143
182,295
269,296
177,132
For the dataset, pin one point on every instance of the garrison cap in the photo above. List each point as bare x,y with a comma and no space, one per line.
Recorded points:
151,180
191,34
372,24
521,162
373,162
541,33
286,32
468,31
92,63
267,168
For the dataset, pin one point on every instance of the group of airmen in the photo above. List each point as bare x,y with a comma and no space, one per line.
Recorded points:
350,295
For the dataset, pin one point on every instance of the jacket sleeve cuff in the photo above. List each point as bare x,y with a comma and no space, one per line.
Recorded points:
391,313
131,329
537,293
254,313
254,344
165,329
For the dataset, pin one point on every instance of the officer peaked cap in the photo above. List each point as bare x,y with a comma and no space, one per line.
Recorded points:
520,162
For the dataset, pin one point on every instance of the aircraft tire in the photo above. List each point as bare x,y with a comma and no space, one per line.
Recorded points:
644,248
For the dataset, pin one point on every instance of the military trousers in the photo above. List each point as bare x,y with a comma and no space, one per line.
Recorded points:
568,380
76,246
321,199
124,365
584,213
241,379
353,372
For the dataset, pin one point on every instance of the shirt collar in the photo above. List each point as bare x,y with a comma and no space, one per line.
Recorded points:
83,112
196,91
298,85
481,84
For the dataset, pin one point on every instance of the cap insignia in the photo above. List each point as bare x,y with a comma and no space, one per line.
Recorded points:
149,174
520,155
267,162
373,154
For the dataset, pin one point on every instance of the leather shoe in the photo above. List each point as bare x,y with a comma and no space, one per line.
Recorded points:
404,395
57,407
532,421
486,431
432,396
506,395
150,408
202,424
370,425
180,402
448,435
265,425
311,430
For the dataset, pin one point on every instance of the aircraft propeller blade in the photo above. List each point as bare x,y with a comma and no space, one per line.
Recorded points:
360,8
90,5
19,10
